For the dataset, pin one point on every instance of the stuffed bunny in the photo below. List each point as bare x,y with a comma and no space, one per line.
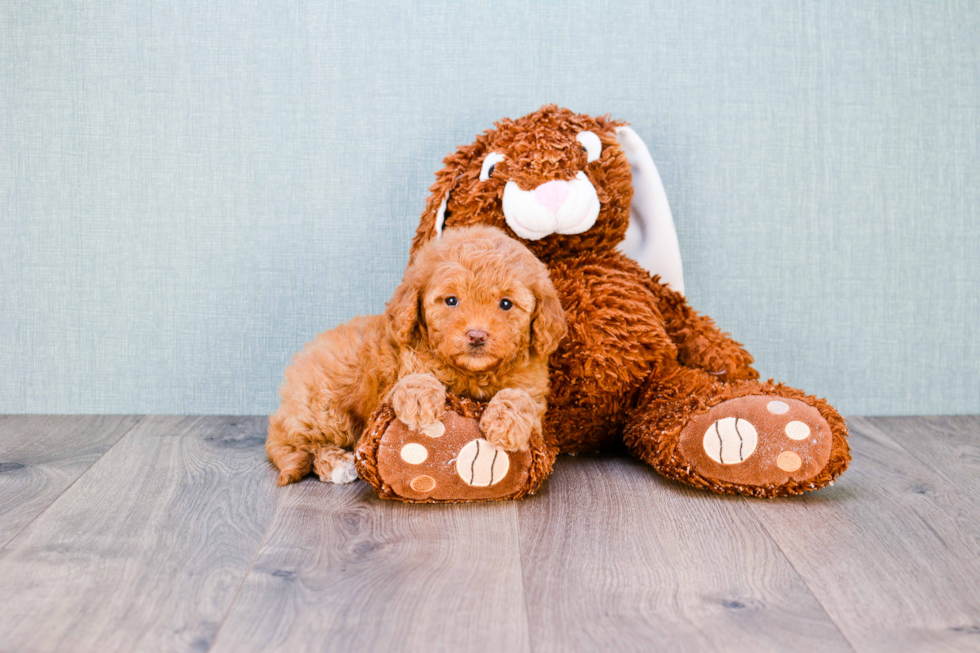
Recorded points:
638,365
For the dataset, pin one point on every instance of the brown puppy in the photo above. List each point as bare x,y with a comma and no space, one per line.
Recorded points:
475,315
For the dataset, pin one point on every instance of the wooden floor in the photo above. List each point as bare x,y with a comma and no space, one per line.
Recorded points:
169,534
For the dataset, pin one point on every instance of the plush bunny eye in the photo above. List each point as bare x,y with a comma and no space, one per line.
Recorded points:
591,143
488,165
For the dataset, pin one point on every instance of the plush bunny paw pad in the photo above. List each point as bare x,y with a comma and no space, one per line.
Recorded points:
759,440
453,463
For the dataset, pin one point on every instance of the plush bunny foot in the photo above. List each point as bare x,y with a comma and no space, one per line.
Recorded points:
758,441
749,438
456,463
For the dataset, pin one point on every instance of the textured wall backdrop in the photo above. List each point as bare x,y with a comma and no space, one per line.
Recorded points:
190,190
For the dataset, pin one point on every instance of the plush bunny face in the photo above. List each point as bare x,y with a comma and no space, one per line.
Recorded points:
556,180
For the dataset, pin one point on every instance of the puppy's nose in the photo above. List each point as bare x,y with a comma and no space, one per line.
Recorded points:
476,337
552,194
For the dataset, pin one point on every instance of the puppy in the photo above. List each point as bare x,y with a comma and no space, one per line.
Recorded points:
475,314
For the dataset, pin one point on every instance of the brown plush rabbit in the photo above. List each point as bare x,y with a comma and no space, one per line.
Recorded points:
639,364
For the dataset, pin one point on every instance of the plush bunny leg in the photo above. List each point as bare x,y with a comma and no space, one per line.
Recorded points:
758,439
700,343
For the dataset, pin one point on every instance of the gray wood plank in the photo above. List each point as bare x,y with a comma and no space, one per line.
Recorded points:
892,551
949,445
617,558
148,548
344,571
146,551
42,455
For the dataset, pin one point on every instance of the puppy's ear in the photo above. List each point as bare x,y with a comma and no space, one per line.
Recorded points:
548,325
403,311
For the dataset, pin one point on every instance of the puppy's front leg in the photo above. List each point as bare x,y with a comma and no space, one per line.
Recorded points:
510,418
419,401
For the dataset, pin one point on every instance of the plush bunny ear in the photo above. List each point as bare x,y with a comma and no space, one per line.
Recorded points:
434,216
441,215
651,239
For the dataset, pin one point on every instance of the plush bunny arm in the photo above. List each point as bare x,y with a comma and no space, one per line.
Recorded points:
700,343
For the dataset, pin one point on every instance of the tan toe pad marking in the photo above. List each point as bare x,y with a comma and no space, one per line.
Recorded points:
788,461
437,430
797,430
423,483
414,453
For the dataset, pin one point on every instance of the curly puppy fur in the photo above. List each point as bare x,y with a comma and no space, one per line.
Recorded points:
638,362
475,315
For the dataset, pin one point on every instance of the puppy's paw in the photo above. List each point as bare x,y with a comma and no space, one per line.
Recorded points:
334,465
419,401
509,419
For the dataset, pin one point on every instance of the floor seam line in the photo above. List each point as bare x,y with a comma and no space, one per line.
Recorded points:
802,578
248,572
520,557
139,420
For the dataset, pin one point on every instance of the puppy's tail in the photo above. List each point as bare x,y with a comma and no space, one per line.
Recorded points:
293,462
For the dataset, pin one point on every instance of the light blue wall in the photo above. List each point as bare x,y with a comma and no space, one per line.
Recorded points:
191,191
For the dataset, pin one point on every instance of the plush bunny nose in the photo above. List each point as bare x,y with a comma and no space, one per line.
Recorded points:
552,194
476,337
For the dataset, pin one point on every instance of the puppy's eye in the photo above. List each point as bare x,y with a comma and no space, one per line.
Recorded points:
451,301
489,164
506,304
592,145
